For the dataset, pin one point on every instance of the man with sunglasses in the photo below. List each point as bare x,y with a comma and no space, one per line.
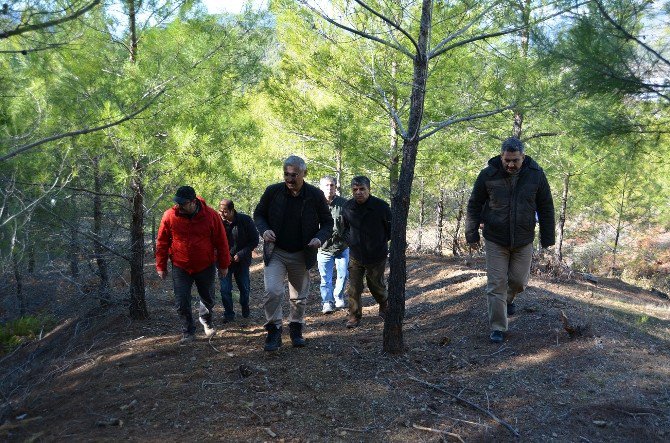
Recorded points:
294,220
192,236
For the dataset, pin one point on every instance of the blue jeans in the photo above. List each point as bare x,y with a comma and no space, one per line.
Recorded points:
204,282
241,274
341,261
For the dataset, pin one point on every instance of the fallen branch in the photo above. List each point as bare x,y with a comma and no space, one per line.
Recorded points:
469,403
438,431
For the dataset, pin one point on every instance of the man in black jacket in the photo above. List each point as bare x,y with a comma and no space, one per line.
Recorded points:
508,197
294,220
242,240
367,222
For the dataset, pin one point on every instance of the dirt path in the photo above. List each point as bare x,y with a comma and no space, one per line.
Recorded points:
107,379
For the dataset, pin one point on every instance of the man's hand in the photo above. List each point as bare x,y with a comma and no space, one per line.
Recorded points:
314,243
475,246
236,258
163,274
223,272
269,235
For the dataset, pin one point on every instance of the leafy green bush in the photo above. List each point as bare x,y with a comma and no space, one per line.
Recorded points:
21,330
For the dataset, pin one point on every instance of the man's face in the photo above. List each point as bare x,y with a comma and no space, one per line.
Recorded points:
361,193
294,178
188,207
225,212
328,188
512,161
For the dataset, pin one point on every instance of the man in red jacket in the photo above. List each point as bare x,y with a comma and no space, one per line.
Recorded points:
192,235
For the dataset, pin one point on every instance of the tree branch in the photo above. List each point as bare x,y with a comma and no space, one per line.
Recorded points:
390,22
627,34
365,35
24,148
441,125
28,28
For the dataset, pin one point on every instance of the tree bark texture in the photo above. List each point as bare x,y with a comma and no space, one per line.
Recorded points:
562,217
393,334
138,306
132,25
439,213
422,214
101,262
455,247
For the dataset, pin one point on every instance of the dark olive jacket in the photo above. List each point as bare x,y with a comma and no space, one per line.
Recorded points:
368,229
314,217
509,213
336,243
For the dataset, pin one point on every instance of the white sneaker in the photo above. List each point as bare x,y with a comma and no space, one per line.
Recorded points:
209,330
340,304
327,308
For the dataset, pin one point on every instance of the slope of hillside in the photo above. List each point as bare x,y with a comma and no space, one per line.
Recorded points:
105,378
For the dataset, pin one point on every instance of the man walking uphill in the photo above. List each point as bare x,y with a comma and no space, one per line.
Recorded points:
509,195
294,220
367,222
192,235
242,240
334,251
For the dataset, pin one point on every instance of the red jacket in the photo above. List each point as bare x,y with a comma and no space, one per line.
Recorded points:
192,244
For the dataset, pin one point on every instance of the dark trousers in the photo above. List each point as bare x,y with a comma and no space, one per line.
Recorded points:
242,280
374,276
204,282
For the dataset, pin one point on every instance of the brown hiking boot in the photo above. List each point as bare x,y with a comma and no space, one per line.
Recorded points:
353,322
383,308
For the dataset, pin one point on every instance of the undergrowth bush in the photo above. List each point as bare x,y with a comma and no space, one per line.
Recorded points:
18,331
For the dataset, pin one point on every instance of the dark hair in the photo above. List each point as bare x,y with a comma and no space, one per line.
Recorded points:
184,195
228,204
512,144
361,180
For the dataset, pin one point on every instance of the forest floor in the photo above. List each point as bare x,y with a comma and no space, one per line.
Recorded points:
102,377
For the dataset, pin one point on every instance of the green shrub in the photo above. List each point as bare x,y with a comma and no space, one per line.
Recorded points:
21,330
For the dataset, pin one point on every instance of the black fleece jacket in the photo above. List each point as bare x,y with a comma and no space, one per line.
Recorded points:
509,210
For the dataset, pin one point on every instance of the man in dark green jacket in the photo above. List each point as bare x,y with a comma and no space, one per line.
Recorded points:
509,197
294,220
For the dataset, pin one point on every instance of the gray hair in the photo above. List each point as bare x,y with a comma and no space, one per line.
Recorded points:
329,178
296,162
512,144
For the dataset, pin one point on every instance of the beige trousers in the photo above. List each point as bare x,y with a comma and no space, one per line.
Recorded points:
507,272
282,265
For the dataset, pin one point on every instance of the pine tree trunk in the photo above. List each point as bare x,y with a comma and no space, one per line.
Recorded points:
138,306
74,246
422,213
101,262
393,334
562,217
439,221
455,246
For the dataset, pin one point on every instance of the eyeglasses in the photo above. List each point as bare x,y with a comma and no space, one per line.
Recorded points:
291,174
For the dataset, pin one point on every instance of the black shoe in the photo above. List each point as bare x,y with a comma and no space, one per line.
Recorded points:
227,319
496,337
295,331
511,309
273,340
245,312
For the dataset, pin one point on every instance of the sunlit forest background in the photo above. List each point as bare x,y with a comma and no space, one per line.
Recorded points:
106,107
